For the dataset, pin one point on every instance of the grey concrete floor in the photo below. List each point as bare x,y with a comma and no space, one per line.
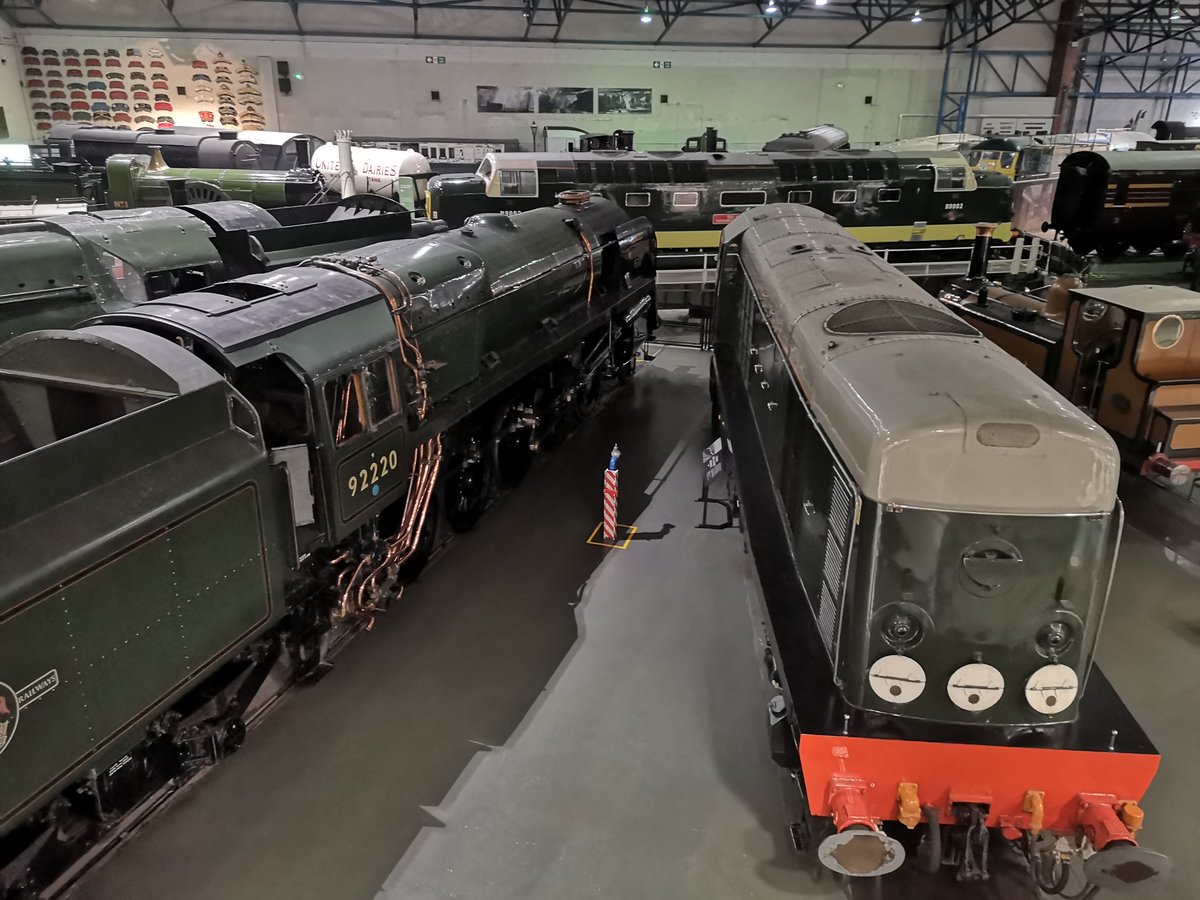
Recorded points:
539,718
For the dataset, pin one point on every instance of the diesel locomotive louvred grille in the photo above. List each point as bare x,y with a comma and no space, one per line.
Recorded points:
895,317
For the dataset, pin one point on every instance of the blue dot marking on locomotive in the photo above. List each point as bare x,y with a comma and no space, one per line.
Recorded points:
374,490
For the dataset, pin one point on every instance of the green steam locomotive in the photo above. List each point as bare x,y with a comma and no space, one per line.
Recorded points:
265,457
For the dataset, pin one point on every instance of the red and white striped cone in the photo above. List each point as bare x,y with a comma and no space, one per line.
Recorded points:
610,495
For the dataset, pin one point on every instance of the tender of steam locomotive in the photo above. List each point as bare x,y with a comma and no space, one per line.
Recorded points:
1109,202
56,272
881,196
935,531
264,457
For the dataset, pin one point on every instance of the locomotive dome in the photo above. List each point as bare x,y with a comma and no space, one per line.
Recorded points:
921,407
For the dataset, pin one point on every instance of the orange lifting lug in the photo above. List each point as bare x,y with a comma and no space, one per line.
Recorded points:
910,804
1034,805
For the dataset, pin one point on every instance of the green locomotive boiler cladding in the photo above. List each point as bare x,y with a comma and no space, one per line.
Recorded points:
232,477
136,181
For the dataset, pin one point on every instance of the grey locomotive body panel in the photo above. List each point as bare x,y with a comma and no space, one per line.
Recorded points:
954,521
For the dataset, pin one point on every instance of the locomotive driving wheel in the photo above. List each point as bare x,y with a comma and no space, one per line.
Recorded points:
465,489
514,443
587,395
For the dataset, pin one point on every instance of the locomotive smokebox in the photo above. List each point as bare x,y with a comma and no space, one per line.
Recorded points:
979,253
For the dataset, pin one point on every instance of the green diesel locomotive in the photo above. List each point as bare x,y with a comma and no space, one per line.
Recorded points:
265,457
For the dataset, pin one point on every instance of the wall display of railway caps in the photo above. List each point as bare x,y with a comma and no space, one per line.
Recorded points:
64,269
138,85
882,196
1109,202
934,531
291,440
1128,356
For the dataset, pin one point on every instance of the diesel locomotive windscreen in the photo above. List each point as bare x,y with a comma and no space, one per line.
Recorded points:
1026,591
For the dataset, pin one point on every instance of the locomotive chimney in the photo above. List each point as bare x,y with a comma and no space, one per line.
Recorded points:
573,198
345,163
157,163
979,253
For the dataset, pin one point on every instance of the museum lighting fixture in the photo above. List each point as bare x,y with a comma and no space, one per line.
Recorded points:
772,8
1176,15
916,19
646,18
820,2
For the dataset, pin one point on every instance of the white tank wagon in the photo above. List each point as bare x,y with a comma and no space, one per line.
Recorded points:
399,174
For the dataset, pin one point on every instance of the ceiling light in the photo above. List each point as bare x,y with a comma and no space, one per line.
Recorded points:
820,2
646,18
916,19
772,8
1176,15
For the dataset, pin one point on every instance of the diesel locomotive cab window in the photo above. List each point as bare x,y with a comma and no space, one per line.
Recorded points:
518,183
743,198
804,197
637,199
685,199
949,178
888,195
846,196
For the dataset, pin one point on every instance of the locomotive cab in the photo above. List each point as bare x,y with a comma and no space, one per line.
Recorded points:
1128,356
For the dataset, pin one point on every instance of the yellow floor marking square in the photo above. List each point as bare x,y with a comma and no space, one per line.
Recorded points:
621,545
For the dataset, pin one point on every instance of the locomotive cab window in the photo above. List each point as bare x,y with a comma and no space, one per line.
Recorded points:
888,195
639,198
845,196
518,183
359,401
950,178
382,389
685,199
804,197
344,396
743,198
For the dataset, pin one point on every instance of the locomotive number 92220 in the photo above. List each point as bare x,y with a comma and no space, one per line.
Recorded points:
372,473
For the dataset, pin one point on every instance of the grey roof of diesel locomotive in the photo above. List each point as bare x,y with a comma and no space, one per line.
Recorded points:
922,409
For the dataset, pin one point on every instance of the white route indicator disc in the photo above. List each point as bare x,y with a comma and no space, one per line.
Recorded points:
975,687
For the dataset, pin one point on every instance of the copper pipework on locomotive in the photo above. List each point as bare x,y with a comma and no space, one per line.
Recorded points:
360,585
